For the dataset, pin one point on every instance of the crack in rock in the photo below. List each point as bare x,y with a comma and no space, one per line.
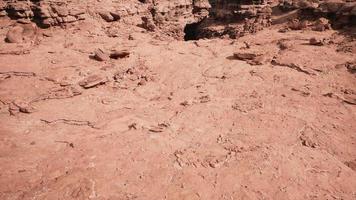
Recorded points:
71,122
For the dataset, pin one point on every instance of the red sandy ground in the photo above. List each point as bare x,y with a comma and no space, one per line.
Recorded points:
182,121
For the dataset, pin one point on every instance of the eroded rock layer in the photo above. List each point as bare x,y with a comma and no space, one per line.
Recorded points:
209,18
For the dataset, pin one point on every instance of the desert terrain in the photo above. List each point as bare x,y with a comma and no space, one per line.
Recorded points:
121,100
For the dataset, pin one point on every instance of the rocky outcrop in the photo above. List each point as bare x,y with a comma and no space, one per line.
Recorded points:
172,16
169,16
340,12
235,18
206,18
45,13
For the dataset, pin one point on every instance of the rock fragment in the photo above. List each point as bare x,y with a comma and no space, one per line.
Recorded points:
316,42
106,16
20,106
21,33
100,55
321,24
92,81
148,24
245,56
252,58
295,24
14,35
351,66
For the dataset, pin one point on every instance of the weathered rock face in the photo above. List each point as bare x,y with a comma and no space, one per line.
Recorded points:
235,18
339,11
45,13
170,16
199,18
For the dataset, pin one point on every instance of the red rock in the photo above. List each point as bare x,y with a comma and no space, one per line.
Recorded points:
14,35
92,81
100,55
245,55
317,42
106,16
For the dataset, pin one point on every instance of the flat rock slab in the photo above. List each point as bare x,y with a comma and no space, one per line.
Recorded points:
92,81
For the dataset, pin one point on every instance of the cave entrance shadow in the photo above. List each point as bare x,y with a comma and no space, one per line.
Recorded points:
190,31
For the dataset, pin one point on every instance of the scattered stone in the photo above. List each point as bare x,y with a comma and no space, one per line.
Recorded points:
21,33
92,81
307,141
131,37
351,164
295,24
106,15
251,58
29,32
316,42
185,103
133,126
47,34
25,107
148,24
13,109
20,106
113,32
321,24
204,99
351,66
14,35
156,129
283,45
100,55
245,55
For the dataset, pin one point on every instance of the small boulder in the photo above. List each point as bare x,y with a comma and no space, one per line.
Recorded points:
251,58
295,24
351,66
321,24
316,42
106,16
23,107
148,24
284,45
21,33
29,31
245,55
100,55
14,35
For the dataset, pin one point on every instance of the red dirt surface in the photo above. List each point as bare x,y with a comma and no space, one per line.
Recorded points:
269,115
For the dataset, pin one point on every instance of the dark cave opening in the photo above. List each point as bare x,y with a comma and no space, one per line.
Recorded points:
191,31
